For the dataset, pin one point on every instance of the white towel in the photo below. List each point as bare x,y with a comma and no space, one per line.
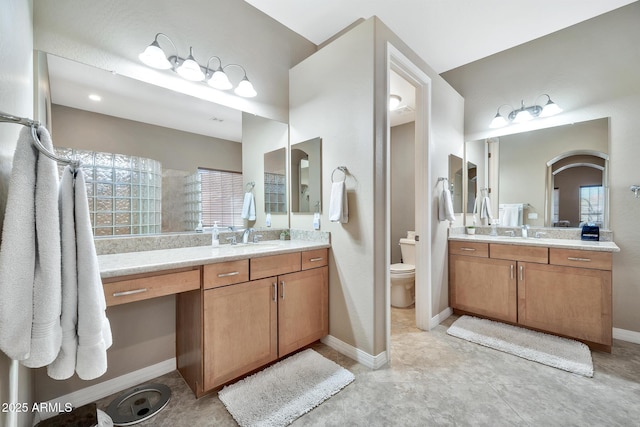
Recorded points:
510,215
30,289
249,207
445,206
86,329
338,204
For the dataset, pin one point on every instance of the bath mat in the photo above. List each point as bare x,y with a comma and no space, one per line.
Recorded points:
283,392
562,353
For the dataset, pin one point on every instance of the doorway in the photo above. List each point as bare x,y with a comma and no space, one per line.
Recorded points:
400,65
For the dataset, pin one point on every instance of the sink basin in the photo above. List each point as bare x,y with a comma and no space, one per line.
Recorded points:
249,246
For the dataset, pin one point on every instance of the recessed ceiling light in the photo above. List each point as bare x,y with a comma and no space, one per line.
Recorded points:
95,97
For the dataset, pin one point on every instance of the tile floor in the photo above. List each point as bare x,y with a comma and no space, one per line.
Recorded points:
438,380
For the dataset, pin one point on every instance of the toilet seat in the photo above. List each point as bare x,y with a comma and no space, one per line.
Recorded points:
401,270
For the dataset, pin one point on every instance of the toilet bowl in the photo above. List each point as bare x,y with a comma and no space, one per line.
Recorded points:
403,275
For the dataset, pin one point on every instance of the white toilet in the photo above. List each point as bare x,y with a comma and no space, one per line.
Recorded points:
403,275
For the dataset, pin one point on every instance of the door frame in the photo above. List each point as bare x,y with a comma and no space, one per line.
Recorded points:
402,65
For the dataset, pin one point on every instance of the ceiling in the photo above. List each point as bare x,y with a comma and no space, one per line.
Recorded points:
436,30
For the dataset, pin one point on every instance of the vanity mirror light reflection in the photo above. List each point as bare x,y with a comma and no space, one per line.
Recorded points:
185,134
306,176
553,177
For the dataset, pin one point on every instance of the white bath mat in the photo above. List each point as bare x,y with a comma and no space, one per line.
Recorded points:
283,392
561,353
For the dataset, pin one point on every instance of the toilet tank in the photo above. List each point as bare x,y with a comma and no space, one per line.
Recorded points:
408,248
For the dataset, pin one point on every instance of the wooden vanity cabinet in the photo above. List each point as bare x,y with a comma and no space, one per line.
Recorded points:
226,331
562,291
483,286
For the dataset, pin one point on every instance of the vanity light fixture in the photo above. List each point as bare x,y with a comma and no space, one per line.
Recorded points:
524,113
394,102
189,69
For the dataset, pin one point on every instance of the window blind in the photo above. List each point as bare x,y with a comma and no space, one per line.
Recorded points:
222,196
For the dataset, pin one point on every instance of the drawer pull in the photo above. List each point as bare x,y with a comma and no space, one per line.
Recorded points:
579,259
521,272
275,291
512,271
233,273
316,259
132,292
467,249
282,286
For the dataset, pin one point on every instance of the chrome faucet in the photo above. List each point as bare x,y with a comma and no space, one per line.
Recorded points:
525,231
245,235
232,240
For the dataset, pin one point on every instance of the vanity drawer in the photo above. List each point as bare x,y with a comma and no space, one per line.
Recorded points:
140,287
579,258
315,258
274,265
519,253
225,273
457,247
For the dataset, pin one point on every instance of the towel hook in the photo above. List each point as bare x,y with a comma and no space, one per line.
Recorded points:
342,169
635,189
250,185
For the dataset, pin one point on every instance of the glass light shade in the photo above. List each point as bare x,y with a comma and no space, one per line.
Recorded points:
394,102
190,69
522,116
219,80
498,122
245,89
154,57
550,109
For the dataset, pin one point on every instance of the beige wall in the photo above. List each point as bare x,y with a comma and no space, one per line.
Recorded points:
16,97
403,179
590,70
173,148
349,114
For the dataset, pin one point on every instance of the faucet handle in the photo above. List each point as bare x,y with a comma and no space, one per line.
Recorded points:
232,239
256,238
510,233
539,234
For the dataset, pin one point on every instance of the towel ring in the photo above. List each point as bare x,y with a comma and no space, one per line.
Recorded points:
342,169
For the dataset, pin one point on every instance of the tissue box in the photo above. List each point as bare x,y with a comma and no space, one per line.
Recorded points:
590,232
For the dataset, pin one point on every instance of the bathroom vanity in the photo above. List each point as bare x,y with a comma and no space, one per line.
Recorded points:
238,308
559,286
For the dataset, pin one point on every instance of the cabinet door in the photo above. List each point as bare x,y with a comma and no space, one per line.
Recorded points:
239,330
303,309
483,286
574,302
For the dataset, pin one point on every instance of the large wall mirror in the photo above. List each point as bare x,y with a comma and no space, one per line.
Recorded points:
554,177
306,176
180,131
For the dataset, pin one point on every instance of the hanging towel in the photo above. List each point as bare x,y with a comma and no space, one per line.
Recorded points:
30,287
249,207
510,215
485,209
445,206
338,204
86,329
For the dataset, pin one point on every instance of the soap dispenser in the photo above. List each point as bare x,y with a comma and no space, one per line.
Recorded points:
215,235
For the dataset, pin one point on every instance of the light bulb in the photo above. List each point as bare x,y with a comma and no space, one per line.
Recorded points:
550,109
498,122
245,89
219,80
190,69
522,116
154,57
394,102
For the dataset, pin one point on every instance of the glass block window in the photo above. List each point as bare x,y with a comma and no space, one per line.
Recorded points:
221,197
275,193
124,192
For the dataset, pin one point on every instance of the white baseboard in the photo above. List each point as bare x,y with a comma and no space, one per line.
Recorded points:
362,357
625,335
440,317
114,385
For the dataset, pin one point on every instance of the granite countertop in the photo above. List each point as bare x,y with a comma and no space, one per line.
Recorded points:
123,264
587,245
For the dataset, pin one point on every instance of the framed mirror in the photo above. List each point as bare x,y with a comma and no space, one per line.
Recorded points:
306,176
555,177
275,183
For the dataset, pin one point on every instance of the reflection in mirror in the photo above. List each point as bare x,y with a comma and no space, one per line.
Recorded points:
524,170
275,184
458,190
306,176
